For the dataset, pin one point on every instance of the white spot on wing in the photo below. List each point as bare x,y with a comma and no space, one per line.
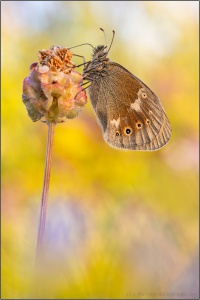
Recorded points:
136,105
115,122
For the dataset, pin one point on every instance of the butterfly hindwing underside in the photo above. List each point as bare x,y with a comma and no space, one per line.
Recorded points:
130,114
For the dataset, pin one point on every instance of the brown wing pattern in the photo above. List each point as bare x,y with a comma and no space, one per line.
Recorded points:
131,115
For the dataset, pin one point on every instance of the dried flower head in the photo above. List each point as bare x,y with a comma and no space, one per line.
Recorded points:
57,57
53,91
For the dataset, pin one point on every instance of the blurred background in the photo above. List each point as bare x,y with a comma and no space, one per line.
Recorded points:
120,224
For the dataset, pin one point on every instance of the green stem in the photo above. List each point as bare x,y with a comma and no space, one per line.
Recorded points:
43,209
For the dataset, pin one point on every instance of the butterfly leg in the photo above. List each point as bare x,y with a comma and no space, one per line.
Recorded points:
85,63
82,58
82,89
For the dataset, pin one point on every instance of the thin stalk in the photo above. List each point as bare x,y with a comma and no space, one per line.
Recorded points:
45,190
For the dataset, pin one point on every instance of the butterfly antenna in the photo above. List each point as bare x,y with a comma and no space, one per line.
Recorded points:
111,41
81,45
104,36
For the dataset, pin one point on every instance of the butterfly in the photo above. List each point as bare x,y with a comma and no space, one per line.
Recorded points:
130,114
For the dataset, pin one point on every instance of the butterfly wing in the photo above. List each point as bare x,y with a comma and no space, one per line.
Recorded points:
130,114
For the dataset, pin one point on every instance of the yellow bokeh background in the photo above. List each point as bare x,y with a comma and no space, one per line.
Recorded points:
120,224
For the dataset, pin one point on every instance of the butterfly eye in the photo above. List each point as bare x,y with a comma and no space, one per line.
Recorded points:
117,133
127,130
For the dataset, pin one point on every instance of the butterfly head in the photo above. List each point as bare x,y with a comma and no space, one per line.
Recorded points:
97,67
99,52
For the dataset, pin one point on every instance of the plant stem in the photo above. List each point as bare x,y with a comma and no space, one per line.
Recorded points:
45,190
